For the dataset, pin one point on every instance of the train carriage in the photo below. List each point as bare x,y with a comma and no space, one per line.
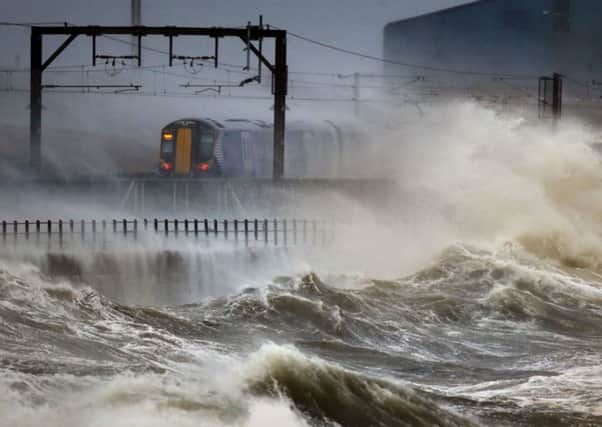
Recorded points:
208,148
244,148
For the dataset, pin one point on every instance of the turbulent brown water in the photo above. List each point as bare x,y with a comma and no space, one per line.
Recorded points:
484,307
476,338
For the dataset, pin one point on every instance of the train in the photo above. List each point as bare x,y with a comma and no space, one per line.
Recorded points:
243,148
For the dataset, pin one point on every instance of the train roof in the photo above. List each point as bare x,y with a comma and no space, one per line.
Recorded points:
245,124
228,124
235,124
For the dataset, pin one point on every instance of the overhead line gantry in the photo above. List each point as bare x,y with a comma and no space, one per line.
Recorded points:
248,35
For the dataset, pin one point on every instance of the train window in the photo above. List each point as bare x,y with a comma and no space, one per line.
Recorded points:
206,145
167,147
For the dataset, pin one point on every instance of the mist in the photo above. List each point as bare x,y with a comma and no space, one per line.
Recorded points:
431,255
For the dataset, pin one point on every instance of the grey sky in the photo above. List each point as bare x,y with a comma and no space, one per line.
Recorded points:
352,24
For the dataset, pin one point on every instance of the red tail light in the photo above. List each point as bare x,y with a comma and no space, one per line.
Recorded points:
204,167
166,166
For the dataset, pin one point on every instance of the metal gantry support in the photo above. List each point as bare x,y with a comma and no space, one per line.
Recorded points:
550,96
557,95
247,34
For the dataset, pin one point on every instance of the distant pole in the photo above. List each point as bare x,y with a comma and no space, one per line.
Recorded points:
550,97
557,96
356,94
136,13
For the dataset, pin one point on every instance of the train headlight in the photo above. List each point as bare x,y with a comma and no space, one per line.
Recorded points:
167,136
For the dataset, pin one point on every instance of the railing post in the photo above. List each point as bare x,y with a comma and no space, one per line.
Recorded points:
186,226
26,227
246,225
145,224
15,228
156,224
175,226
83,228
206,224
323,233
38,226
226,229
71,224
332,232
256,229
294,231
114,226
304,231
284,231
125,226
275,232
236,229
215,224
265,231
166,226
196,227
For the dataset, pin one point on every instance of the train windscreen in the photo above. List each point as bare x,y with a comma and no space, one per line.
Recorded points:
206,145
167,147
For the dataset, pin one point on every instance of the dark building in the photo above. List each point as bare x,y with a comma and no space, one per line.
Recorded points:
526,37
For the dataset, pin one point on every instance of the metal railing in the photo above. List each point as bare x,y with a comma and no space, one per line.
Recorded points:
279,232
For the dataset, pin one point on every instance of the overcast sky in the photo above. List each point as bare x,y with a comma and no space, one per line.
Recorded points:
351,24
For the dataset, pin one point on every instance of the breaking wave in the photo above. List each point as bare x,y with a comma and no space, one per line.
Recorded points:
433,348
329,393
488,311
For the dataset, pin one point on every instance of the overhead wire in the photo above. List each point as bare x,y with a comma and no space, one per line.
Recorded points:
30,24
401,63
171,94
577,82
238,69
517,88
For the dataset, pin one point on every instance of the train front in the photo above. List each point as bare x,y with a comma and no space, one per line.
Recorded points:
188,149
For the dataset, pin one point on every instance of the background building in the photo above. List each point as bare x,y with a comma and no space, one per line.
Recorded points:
505,37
